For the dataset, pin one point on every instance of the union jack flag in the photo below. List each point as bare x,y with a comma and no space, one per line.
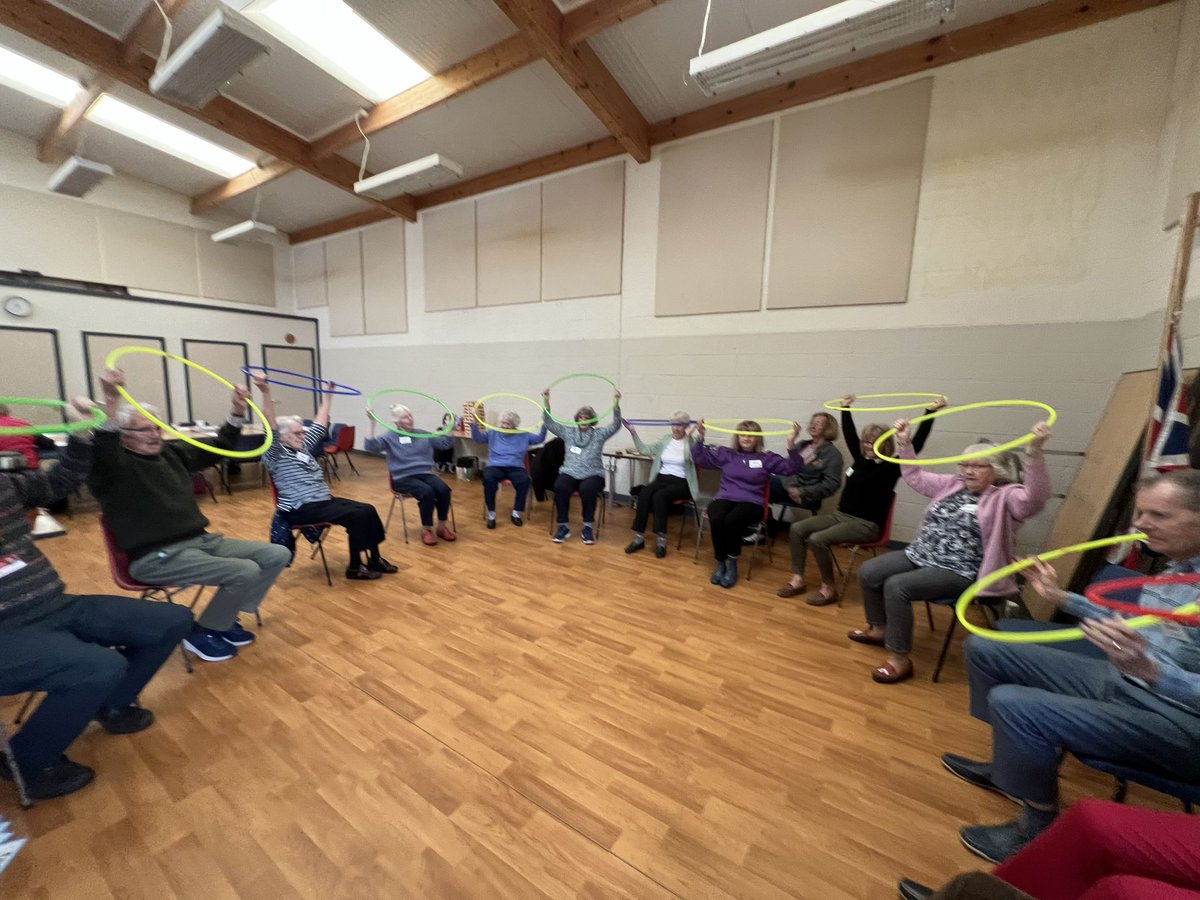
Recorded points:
1169,431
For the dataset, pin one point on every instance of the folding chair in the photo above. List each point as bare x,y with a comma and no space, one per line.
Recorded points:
341,446
601,512
529,496
14,769
1187,794
702,518
875,546
322,529
118,567
402,496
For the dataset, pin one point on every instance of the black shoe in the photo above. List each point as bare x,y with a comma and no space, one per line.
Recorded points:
972,771
913,890
64,777
492,522
660,550
129,720
362,573
718,573
382,566
517,520
635,546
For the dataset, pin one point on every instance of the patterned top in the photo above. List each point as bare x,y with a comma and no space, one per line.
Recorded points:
296,473
584,447
950,537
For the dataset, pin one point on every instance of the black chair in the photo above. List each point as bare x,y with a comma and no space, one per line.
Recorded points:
1187,794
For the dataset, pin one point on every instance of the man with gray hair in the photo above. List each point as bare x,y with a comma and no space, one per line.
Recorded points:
1139,707
144,485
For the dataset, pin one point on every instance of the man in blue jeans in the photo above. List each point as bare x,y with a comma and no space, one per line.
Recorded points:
90,655
1139,707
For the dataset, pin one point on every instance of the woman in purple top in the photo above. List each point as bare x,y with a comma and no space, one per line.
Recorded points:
746,469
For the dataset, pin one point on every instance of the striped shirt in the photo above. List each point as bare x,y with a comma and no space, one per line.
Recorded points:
296,473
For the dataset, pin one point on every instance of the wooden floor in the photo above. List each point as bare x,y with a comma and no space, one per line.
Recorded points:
507,717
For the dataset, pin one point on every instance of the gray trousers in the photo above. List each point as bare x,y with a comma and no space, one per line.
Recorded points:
242,570
823,532
892,583
1041,701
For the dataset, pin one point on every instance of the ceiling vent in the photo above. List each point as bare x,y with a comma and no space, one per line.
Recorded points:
249,230
219,49
423,174
77,176
839,30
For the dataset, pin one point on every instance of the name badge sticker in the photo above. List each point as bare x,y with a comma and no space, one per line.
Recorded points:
404,439
754,463
10,564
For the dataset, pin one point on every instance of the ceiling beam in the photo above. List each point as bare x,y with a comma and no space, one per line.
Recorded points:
579,66
335,226
72,115
593,17
1054,17
149,29
235,187
73,37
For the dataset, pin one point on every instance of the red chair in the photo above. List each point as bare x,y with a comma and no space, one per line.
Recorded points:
341,447
875,546
118,567
298,530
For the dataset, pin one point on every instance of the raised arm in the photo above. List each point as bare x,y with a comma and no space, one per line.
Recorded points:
38,488
1028,499
921,481
926,427
848,429
548,423
326,405
266,399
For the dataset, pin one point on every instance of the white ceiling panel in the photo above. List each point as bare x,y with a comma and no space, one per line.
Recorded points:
25,115
296,201
524,115
113,16
437,33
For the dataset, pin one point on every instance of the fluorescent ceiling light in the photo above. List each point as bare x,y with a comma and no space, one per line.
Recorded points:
423,174
837,30
154,132
23,74
249,230
336,38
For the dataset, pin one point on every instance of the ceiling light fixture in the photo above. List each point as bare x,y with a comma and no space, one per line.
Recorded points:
422,174
219,49
77,176
840,29
249,230
23,74
122,118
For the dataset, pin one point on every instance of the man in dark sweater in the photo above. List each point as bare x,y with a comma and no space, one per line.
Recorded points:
63,645
144,486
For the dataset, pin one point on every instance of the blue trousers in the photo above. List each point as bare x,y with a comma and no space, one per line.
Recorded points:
1041,701
429,491
69,654
493,475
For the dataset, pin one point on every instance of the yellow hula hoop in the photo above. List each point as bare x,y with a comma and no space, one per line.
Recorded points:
1051,418
1061,634
111,363
486,427
834,405
790,423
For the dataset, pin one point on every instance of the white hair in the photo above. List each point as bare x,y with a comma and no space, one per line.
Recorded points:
510,416
399,409
679,417
126,412
1006,465
281,422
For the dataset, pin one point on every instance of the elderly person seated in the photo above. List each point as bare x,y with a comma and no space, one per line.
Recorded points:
967,532
506,462
410,465
1139,708
822,473
144,485
672,479
304,497
583,467
91,655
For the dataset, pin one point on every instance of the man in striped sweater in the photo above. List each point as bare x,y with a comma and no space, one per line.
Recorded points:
64,645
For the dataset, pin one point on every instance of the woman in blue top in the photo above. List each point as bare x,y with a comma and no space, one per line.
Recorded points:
745,472
410,463
583,468
506,461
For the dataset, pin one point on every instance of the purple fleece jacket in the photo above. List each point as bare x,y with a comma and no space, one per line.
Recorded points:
744,475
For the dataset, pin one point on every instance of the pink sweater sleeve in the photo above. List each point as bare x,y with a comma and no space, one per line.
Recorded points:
919,478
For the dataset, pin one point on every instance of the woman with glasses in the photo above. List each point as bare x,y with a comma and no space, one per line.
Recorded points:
967,532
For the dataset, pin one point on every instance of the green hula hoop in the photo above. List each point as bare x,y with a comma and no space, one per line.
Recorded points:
111,363
1060,634
833,404
790,423
596,420
446,429
54,427
1051,418
486,427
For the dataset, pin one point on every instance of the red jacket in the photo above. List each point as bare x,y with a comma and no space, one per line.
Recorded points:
21,443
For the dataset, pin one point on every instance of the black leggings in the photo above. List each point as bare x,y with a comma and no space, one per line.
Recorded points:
589,489
364,530
729,521
658,497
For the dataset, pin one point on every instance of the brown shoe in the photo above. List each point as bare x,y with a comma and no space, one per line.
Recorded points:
819,599
788,591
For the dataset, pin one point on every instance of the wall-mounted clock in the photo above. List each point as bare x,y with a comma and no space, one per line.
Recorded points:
17,306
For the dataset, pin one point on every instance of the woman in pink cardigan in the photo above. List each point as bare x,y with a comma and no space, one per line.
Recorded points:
968,531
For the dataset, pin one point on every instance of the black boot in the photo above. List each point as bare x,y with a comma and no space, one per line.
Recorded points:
718,574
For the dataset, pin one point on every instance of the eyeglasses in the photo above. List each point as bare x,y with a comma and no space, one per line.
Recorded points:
974,465
149,429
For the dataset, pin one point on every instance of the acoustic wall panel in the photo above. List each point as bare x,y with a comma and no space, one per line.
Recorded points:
385,295
207,398
140,252
244,273
846,199
449,234
69,248
145,373
308,274
30,367
583,216
509,236
344,282
712,223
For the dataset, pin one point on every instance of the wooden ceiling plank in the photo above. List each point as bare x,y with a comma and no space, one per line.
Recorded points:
579,66
1054,17
235,187
591,18
149,29
336,226
72,115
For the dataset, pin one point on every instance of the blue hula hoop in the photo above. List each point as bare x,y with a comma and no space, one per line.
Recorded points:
666,423
348,392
